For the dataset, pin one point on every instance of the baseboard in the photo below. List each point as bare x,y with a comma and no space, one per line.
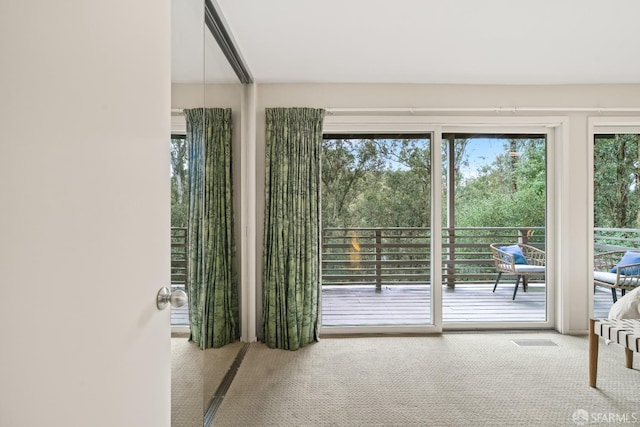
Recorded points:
180,330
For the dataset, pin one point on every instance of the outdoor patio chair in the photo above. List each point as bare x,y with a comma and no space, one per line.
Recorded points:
617,270
519,260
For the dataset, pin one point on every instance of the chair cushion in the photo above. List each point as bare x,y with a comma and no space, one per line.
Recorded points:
605,276
628,258
529,268
627,307
518,256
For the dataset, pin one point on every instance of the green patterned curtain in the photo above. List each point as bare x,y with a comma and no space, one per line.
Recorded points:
212,283
291,269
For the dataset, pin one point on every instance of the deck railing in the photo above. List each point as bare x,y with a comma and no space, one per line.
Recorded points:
395,256
179,263
612,239
371,256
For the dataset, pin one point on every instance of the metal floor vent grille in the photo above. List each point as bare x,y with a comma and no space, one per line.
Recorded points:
534,343
224,386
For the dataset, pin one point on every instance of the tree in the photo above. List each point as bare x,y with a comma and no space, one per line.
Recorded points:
387,183
616,172
509,192
376,182
179,182
345,163
379,182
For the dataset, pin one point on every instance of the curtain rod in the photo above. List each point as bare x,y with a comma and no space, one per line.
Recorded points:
479,109
179,111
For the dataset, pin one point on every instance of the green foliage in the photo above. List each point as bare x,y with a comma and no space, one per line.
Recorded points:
509,192
398,201
616,171
179,182
345,164
376,183
387,183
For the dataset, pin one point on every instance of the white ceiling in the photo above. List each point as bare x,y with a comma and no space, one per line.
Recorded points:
437,41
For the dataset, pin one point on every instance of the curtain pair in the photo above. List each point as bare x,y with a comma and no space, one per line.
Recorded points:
291,255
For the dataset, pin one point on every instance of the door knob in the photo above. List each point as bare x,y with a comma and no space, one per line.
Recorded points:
176,298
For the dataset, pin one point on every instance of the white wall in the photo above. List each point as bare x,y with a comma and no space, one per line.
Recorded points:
84,179
184,96
572,210
211,95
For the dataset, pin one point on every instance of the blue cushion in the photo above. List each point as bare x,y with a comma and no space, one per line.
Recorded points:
628,258
518,256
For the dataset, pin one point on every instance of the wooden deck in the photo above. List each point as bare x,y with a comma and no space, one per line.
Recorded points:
180,316
410,305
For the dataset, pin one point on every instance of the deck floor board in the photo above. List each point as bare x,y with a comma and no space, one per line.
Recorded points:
410,305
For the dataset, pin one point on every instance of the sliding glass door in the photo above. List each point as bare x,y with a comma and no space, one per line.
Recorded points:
376,230
495,203
418,228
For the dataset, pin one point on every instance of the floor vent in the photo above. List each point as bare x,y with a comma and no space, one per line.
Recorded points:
534,343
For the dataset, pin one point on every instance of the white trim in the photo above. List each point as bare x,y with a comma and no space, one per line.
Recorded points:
591,131
248,215
559,312
496,326
180,329
627,126
436,231
512,110
178,124
363,124
390,329
564,276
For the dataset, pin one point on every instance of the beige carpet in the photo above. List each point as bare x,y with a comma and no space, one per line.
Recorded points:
457,379
195,376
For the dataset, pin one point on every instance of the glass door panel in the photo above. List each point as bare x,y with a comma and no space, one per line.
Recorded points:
616,204
494,194
376,230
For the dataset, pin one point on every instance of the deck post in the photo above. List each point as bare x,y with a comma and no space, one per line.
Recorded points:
451,268
378,260
451,211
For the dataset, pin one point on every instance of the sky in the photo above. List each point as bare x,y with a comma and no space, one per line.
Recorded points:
481,152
